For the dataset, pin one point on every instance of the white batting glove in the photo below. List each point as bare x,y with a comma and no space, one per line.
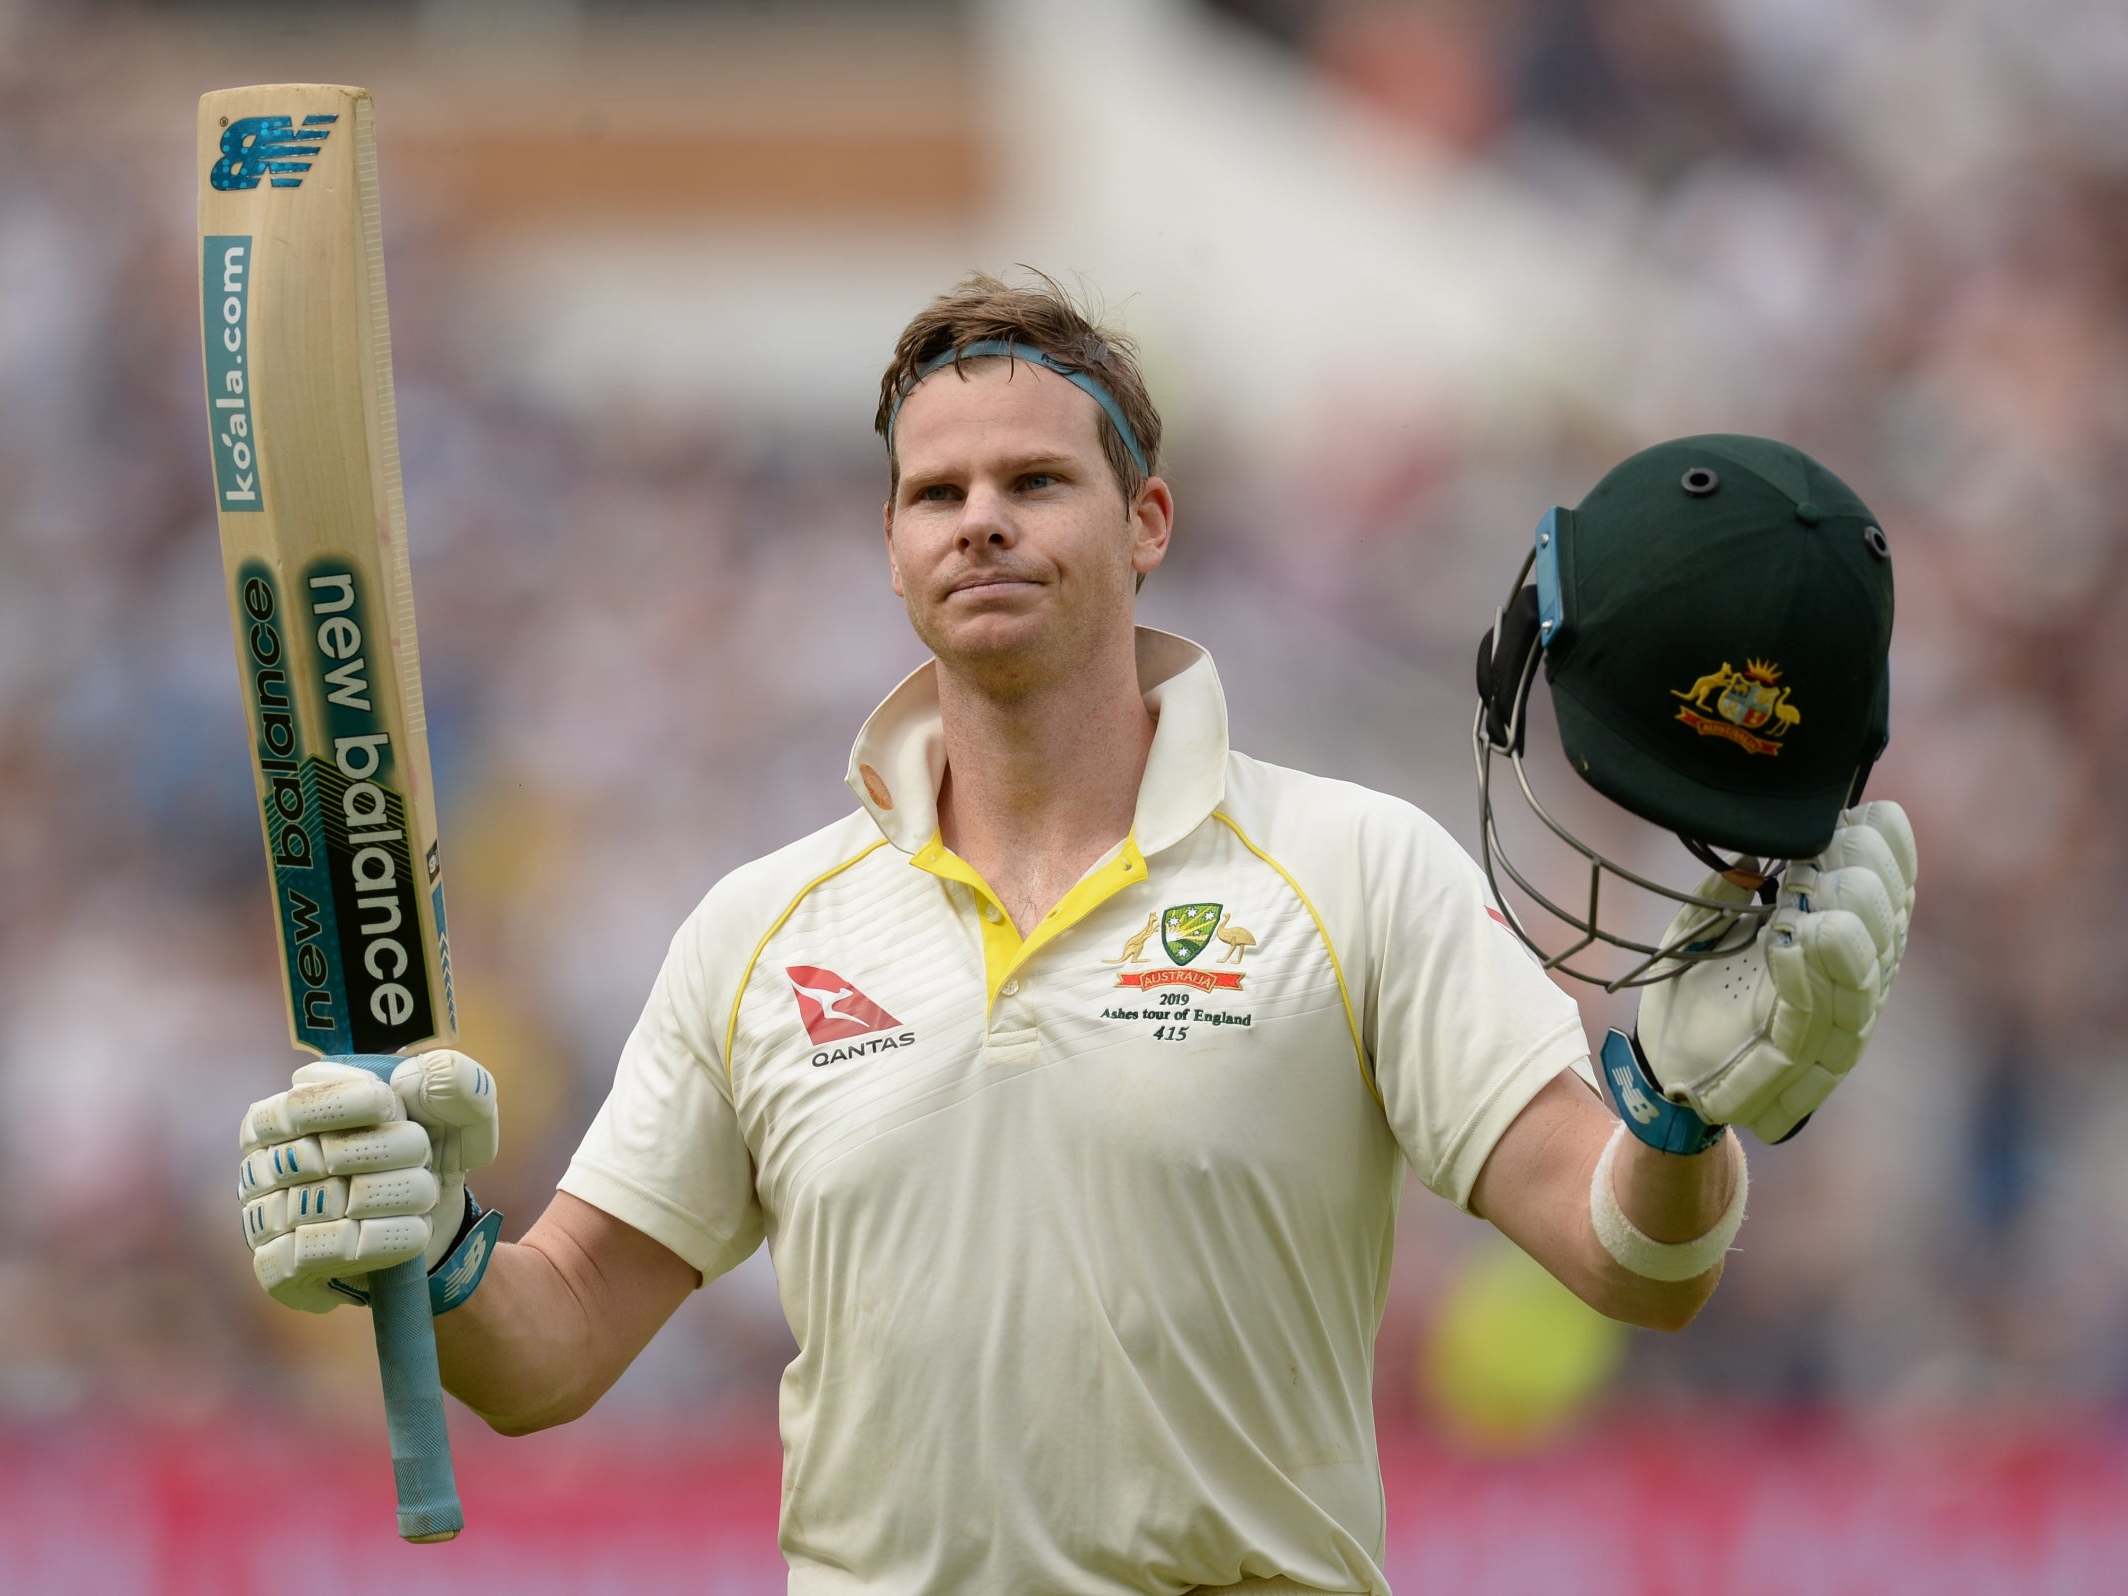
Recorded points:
1761,1039
342,1174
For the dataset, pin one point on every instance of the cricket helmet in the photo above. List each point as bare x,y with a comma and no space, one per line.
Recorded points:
1713,622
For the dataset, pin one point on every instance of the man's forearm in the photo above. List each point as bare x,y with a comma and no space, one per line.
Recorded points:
1670,1199
515,1351
559,1317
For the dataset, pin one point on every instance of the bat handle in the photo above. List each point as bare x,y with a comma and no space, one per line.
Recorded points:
413,1389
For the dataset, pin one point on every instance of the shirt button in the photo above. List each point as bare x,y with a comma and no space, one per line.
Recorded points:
1010,986
990,913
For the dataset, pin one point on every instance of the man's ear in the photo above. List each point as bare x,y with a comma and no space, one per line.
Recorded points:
1152,524
886,521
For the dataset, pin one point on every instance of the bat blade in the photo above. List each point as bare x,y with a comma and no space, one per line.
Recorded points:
303,432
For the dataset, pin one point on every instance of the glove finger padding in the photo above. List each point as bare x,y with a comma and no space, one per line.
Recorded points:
279,1212
325,1097
1841,949
1798,1094
310,1296
294,1267
393,1192
265,1169
454,1099
1859,890
1888,821
1824,967
1861,848
388,1195
1896,866
371,1148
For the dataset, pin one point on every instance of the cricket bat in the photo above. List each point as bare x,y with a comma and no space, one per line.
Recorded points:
313,528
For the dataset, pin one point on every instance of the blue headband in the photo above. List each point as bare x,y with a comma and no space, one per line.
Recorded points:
1034,357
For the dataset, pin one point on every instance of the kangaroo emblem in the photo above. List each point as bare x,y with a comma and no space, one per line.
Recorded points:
1713,682
1134,946
829,1001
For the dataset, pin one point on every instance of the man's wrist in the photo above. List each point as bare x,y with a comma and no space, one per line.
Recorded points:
1640,1253
1638,1099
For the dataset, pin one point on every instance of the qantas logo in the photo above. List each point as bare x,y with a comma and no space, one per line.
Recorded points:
833,1009
835,1012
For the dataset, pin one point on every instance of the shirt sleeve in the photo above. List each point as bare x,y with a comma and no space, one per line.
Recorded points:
1463,1025
665,1153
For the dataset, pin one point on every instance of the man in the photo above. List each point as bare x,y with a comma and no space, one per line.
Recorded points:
1084,1236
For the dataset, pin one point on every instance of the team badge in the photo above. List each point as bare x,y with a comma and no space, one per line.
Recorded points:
1749,701
1187,928
1173,998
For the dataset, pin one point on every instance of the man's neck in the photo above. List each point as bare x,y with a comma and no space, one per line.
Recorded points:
1054,771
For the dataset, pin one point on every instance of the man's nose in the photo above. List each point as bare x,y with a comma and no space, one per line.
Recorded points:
986,520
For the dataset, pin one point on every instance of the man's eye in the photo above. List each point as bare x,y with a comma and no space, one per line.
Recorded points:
1038,479
935,491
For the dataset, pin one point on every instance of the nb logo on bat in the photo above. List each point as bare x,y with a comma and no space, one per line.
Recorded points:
271,147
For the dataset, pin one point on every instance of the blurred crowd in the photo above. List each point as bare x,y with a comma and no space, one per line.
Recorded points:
649,635
1905,229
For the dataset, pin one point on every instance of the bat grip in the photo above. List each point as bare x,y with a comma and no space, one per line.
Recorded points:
413,1389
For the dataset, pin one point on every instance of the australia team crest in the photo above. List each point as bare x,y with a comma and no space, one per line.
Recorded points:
1753,706
1186,930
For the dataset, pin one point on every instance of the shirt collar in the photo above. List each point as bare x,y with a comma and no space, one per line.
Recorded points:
900,755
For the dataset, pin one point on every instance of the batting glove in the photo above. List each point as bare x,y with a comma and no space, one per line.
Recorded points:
343,1174
1761,1039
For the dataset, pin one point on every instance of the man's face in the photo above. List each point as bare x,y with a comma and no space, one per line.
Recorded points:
1007,535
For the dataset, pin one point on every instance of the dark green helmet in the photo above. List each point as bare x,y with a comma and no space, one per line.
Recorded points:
1714,622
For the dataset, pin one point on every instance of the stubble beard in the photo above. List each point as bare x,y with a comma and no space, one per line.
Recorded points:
1029,657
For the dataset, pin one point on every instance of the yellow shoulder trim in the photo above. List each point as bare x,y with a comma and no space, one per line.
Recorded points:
731,1028
1359,1047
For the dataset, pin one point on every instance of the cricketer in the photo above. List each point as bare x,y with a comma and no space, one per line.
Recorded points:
1071,1079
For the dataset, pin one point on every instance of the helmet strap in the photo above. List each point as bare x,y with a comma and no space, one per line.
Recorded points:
1740,871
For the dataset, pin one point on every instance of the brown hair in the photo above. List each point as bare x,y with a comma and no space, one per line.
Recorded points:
1044,318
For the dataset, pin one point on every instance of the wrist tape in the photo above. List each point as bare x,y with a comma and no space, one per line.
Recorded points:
1636,1250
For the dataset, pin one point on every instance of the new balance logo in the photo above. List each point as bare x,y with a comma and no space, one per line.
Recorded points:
271,147
461,1272
833,1009
1637,1102
460,1280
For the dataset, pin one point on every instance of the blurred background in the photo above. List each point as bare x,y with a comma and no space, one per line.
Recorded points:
1404,275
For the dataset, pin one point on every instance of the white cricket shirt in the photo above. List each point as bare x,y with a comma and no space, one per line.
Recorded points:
1084,1235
